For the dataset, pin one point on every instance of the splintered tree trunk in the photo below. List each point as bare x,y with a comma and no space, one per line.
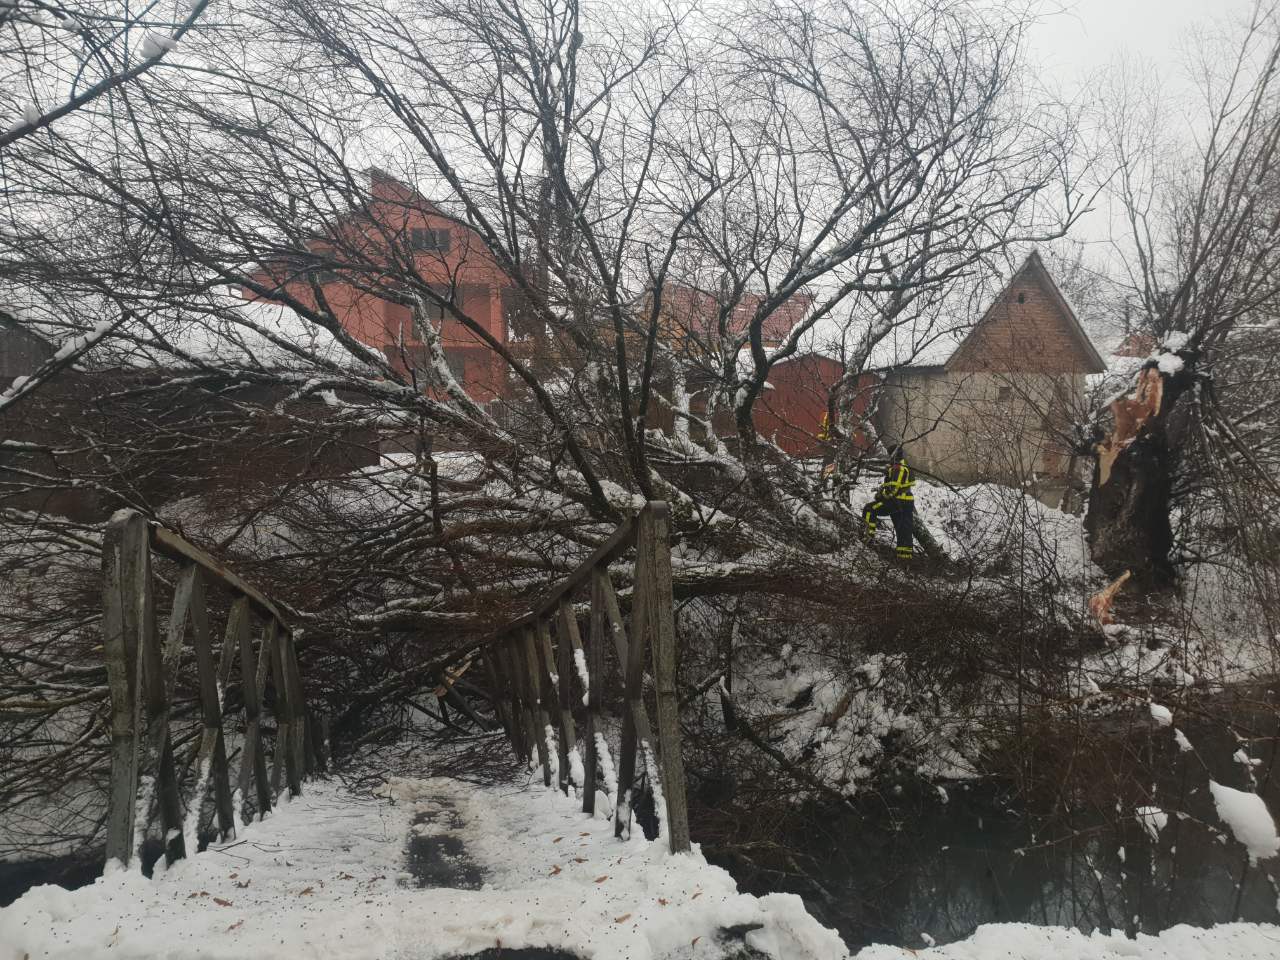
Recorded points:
1128,521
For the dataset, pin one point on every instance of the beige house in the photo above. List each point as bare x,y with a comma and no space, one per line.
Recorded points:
998,403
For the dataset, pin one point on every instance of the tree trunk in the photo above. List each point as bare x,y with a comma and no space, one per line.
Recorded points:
1128,522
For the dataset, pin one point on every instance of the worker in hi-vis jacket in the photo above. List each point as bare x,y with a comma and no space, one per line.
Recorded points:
895,500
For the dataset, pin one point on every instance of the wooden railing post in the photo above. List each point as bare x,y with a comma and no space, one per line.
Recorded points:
633,683
537,700
126,568
143,675
253,761
289,682
595,680
661,622
213,753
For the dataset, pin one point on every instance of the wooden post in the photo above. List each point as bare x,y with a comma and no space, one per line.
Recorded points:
570,649
595,679
554,686
253,761
159,745
536,700
521,709
633,675
280,754
126,570
661,622
494,674
635,708
294,708
213,752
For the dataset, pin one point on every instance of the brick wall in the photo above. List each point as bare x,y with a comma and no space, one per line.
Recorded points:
1024,331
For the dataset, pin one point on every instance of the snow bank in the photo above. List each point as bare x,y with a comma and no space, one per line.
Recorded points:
1023,941
1246,815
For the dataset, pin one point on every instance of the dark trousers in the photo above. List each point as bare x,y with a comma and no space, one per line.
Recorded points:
901,512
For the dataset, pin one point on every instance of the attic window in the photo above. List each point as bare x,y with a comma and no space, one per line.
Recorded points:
424,239
1022,298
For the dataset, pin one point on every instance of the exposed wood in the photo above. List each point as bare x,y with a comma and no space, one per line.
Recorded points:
159,751
551,682
633,680
237,620
295,709
167,542
253,762
536,700
608,551
661,620
521,707
279,702
212,756
594,654
124,546
618,631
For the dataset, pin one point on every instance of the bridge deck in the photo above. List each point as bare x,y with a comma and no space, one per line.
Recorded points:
422,869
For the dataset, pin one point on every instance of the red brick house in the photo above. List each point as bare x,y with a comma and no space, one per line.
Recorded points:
400,224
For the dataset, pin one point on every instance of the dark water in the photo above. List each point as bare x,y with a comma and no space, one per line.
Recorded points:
74,871
944,871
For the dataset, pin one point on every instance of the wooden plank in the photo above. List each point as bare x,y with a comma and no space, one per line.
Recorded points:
237,620
633,677
617,630
661,620
603,555
521,718
167,542
124,562
594,653
555,681
536,701
280,702
570,644
253,761
159,752
290,682
212,756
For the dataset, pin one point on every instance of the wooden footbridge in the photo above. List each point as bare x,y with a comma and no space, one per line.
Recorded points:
546,676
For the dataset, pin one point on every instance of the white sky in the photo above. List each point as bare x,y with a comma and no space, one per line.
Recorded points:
1090,34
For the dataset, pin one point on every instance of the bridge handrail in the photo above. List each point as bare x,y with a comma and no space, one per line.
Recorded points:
532,662
142,678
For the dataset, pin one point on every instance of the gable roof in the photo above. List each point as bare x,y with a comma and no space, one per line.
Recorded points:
937,349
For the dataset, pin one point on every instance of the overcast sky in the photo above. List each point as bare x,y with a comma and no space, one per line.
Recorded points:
1091,33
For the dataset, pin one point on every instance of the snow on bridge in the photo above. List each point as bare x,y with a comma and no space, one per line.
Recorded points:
417,869
437,868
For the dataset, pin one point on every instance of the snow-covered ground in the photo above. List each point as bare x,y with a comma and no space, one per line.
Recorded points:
325,877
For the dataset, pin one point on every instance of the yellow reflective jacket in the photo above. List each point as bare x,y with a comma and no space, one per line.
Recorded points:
897,482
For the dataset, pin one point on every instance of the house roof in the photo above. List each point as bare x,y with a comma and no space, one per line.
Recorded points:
925,345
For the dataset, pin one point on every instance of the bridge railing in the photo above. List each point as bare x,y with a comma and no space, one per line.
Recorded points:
143,670
543,669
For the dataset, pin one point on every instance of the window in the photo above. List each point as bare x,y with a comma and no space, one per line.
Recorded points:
1006,393
425,240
